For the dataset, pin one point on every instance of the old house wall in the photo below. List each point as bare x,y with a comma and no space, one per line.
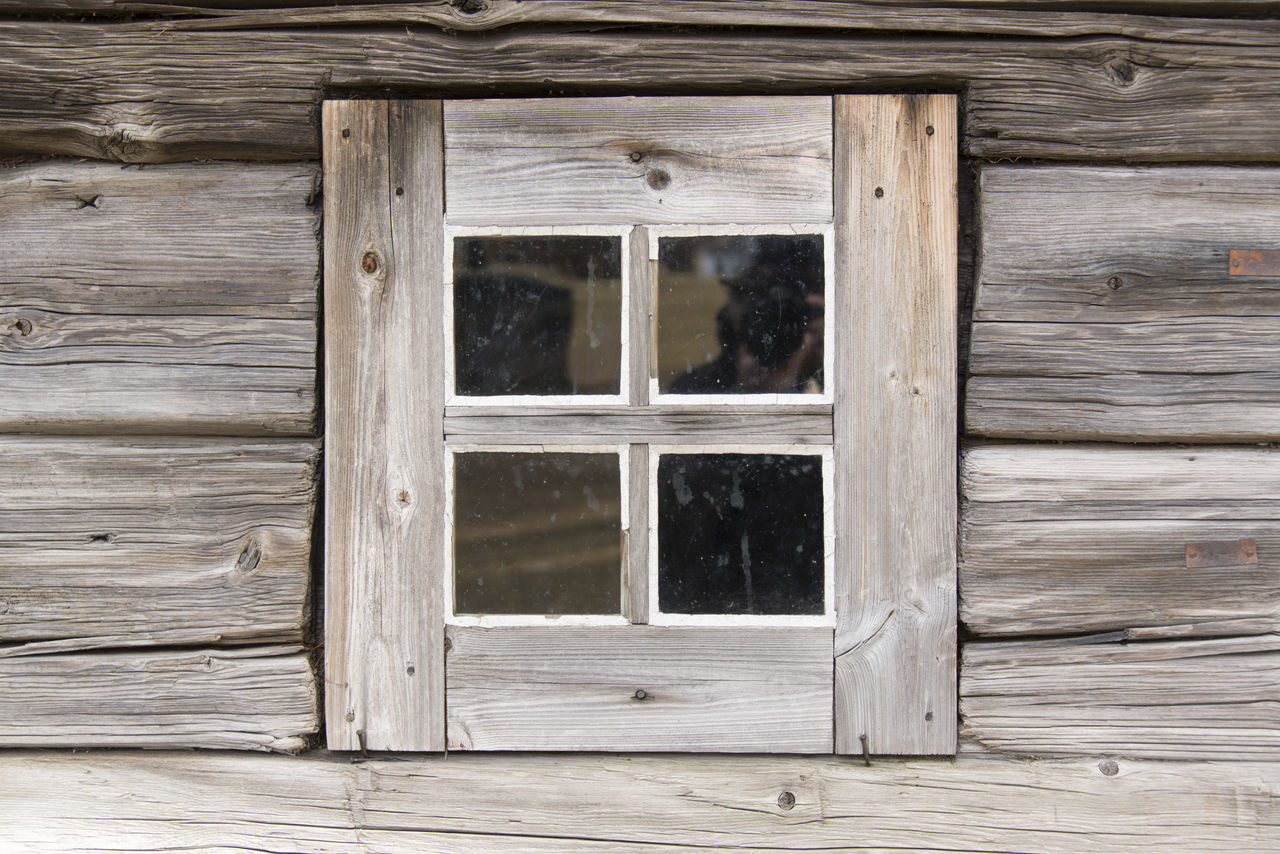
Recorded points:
159,343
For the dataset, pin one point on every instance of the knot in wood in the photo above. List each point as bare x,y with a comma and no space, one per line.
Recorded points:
23,326
658,179
467,7
1122,71
369,263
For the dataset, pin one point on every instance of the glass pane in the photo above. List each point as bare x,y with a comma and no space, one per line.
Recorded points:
740,314
537,315
740,534
537,533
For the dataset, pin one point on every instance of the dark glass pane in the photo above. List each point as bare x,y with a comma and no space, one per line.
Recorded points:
740,534
537,533
740,314
537,315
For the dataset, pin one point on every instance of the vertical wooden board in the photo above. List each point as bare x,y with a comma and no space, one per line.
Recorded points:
895,424
637,556
638,160
640,322
384,431
638,688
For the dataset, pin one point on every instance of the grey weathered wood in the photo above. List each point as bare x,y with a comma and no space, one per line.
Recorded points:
384,511
1062,540
637,688
261,698
1031,18
179,299
1105,306
148,92
128,542
895,423
661,426
159,802
641,328
636,571
1205,699
638,160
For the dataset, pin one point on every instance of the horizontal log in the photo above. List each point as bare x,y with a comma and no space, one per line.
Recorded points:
1038,18
1199,699
634,688
1106,307
248,699
1060,540
174,299
115,542
143,92
149,802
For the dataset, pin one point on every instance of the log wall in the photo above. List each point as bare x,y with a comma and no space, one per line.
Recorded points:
1119,478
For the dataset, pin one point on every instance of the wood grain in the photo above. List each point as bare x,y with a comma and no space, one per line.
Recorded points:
895,424
664,426
1062,540
638,160
1105,307
178,299
159,802
120,542
142,92
384,512
260,698
637,688
1199,699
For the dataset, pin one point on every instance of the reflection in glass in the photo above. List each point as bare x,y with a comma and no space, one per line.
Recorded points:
537,315
537,533
740,314
740,534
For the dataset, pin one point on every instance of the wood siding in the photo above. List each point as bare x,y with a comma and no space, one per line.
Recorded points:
550,804
178,299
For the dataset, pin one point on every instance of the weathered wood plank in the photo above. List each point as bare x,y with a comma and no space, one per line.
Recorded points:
384,513
1210,699
151,802
659,427
116,542
1058,540
1036,18
1106,309
177,299
895,424
637,688
148,92
638,160
260,698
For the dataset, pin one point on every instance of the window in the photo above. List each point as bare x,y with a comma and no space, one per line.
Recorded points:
640,425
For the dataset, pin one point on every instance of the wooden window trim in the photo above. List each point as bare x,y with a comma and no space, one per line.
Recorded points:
894,423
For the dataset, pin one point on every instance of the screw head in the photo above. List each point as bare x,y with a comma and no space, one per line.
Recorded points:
1115,283
879,192
1108,767
786,800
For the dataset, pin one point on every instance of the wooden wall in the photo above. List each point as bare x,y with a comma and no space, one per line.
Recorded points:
158,452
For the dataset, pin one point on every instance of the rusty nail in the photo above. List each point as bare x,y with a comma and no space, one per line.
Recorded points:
369,263
879,192
1109,767
928,716
399,191
1115,283
866,751
786,800
364,748
346,132
411,670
